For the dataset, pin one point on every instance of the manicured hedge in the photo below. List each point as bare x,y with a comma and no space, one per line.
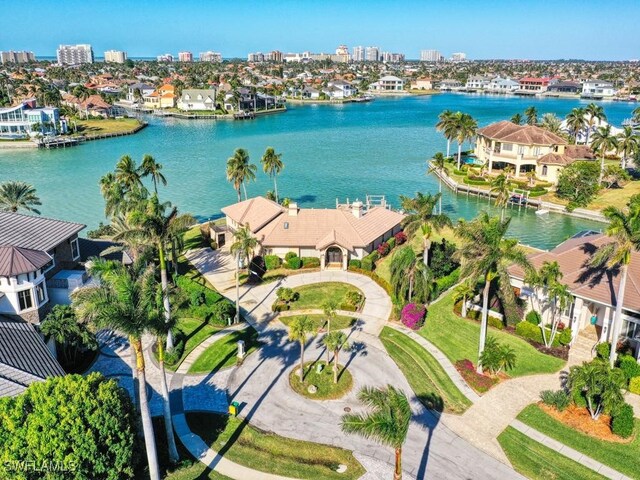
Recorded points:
532,332
623,422
380,281
468,181
310,262
272,262
294,263
355,263
392,243
443,284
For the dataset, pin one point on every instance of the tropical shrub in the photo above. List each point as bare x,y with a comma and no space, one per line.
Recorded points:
413,315
565,336
355,263
559,399
290,255
368,262
392,243
623,423
441,258
310,262
480,383
374,256
353,299
603,350
578,183
222,311
272,262
533,317
400,237
373,276
443,284
286,294
634,385
599,384
383,249
497,357
495,323
280,307
294,263
532,332
173,356
629,366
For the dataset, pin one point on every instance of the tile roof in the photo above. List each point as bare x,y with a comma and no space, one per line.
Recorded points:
94,248
16,260
506,131
256,212
36,233
555,159
579,151
600,285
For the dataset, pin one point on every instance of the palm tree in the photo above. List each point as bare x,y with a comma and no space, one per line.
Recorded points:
462,292
594,112
242,249
15,196
486,253
628,144
636,114
388,422
560,298
575,122
624,231
437,165
127,173
552,123
125,300
329,308
240,171
600,385
500,186
150,167
272,165
532,115
603,141
335,341
517,119
465,127
299,329
410,277
446,125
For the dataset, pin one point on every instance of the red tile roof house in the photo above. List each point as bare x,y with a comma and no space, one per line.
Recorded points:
334,236
594,291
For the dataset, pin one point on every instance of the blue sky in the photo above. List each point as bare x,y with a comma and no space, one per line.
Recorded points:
539,29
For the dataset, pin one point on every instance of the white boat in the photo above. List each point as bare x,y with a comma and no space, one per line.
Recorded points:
542,211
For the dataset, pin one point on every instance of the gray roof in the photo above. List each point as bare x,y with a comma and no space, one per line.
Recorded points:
24,357
16,260
93,248
193,93
36,233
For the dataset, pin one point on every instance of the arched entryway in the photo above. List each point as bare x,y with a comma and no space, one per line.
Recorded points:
333,256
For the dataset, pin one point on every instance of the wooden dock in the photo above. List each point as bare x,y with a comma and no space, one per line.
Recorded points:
58,142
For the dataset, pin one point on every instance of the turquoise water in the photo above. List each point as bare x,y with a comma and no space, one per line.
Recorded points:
330,151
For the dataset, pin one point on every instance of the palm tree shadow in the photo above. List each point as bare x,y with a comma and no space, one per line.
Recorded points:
426,419
593,276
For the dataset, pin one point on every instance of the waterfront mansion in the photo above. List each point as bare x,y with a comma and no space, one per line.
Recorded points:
334,236
526,148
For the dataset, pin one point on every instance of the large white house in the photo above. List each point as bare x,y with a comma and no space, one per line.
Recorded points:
340,89
197,99
26,120
597,89
503,85
388,83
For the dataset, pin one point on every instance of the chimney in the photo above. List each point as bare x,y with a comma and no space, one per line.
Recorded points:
293,209
356,209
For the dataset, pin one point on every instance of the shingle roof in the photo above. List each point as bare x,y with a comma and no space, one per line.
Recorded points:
600,285
24,357
36,233
16,260
506,131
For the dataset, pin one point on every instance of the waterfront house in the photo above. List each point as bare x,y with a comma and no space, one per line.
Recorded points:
25,120
593,290
423,83
311,93
138,91
597,89
532,85
477,82
388,83
563,87
525,148
197,99
450,85
332,235
162,97
503,85
340,89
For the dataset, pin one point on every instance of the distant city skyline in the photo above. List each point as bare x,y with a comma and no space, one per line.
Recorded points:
586,30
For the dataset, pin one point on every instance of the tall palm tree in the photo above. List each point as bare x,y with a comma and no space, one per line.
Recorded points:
636,114
594,112
628,144
464,291
465,127
500,186
272,165
153,169
576,122
532,115
299,330
387,423
517,119
125,300
128,173
446,125
410,277
486,253
240,170
242,249
437,165
560,298
329,309
335,341
603,141
624,231
552,123
15,196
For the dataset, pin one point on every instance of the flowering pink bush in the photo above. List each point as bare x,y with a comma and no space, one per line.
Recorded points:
412,315
480,383
383,249
400,237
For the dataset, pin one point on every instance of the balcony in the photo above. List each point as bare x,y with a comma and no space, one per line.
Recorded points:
65,282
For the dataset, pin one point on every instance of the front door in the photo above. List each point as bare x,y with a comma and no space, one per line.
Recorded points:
334,255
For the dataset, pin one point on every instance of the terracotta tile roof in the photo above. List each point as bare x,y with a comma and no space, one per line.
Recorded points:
94,101
599,285
508,132
256,212
579,151
555,159
15,260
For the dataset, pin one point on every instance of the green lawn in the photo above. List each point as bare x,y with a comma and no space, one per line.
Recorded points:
193,238
320,321
458,339
109,125
196,470
427,378
314,295
196,331
327,389
535,461
241,443
624,457
223,353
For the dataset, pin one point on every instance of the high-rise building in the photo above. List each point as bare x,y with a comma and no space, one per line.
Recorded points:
74,54
167,57
275,56
372,54
358,54
210,56
430,56
17,57
255,57
185,57
459,57
115,56
391,57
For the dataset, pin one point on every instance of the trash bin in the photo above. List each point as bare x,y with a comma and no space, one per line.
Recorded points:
594,319
233,408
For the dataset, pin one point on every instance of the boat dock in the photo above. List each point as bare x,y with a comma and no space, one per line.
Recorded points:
58,142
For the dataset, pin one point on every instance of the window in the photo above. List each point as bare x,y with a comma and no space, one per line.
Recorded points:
520,149
536,151
51,264
507,147
75,249
25,300
544,170
40,293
